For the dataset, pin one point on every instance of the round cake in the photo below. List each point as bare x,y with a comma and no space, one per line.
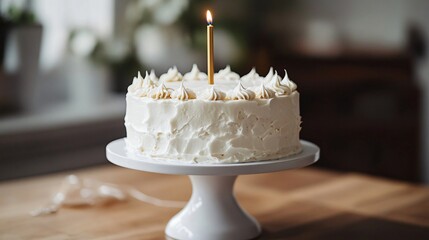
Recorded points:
238,119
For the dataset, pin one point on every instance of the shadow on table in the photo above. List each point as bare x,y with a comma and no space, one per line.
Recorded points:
349,226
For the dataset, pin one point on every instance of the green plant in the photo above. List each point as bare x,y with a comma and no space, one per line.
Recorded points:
16,15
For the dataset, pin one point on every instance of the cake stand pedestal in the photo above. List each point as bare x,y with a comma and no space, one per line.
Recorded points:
212,212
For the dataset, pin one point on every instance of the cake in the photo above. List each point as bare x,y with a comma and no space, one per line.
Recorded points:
238,119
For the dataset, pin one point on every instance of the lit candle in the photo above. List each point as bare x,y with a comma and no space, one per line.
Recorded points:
210,69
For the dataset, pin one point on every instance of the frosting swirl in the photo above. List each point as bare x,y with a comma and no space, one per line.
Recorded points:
277,87
265,93
286,81
147,86
212,94
172,75
161,92
195,74
249,87
226,74
252,75
240,93
137,83
153,76
183,94
269,76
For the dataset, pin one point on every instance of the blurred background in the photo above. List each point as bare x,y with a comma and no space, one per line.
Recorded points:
362,69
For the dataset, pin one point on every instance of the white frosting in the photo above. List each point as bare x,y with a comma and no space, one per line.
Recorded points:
264,93
172,75
137,84
214,131
153,76
251,76
197,123
240,93
277,87
286,81
213,94
147,86
161,92
226,74
269,76
195,74
183,93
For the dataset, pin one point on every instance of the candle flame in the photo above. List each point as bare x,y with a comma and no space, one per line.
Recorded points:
209,17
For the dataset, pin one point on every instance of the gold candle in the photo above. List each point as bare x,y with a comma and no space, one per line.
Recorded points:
210,68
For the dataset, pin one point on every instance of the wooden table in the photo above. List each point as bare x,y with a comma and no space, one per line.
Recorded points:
299,204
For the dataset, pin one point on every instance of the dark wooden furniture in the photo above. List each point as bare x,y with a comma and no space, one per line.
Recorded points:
363,110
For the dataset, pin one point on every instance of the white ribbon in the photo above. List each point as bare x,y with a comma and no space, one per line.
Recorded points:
78,192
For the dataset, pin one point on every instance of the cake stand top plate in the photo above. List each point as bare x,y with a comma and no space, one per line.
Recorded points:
118,154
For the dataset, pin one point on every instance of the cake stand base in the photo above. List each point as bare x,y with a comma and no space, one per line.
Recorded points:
212,212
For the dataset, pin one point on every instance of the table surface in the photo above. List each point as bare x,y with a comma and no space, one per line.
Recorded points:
306,203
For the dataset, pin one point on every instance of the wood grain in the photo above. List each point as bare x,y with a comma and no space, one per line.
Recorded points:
299,204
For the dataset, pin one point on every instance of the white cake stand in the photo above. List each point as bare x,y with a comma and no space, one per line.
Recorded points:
212,212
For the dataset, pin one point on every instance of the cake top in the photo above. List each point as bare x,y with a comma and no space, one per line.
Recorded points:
228,85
